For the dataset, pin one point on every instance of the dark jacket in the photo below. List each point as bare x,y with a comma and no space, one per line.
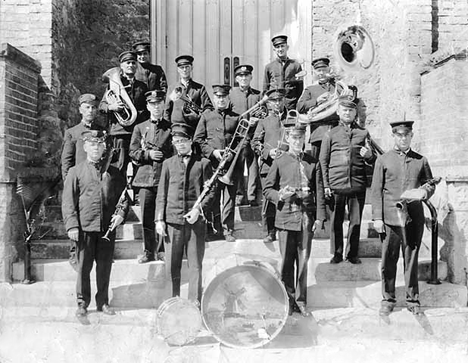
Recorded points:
180,186
175,109
153,76
215,131
136,91
277,75
394,173
286,171
268,133
242,101
150,136
343,167
90,198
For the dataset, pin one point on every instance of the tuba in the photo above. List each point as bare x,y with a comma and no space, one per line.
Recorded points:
116,93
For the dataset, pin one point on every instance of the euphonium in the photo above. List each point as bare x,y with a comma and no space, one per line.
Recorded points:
116,93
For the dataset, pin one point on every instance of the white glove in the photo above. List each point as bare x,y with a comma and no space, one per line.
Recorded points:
161,228
192,216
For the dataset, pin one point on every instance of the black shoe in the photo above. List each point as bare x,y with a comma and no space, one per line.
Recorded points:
106,309
385,310
214,237
414,309
253,203
146,258
355,260
336,259
81,312
230,238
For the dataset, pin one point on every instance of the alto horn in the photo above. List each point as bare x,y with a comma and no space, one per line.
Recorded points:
354,48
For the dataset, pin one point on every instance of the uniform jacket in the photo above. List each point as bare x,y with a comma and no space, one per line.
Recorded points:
215,131
279,75
268,133
308,100
153,76
72,150
150,136
343,167
394,173
180,186
136,91
175,110
286,170
242,101
90,197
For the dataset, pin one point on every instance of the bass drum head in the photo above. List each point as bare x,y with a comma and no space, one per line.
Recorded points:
245,306
178,321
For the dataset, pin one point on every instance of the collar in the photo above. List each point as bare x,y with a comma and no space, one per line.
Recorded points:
185,83
351,126
247,90
156,121
296,156
401,152
188,155
88,126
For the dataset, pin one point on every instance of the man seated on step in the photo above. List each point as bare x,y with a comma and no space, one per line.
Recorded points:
94,200
291,185
344,153
183,179
400,174
149,147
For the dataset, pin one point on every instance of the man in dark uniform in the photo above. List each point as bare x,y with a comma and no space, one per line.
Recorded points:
284,72
268,144
400,174
182,181
214,133
291,185
136,90
94,198
242,99
151,74
178,110
344,154
149,147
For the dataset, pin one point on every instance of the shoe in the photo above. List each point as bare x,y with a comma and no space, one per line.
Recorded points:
354,260
214,237
336,259
270,238
414,309
301,310
106,309
385,310
147,257
161,256
240,200
253,203
230,238
81,312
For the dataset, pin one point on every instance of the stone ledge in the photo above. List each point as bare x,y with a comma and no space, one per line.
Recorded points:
7,51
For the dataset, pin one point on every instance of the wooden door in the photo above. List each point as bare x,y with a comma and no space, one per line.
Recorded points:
220,34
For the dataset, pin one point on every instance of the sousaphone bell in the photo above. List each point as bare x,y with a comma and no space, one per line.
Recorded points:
354,48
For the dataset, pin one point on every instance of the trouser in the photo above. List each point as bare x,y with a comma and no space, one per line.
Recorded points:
191,238
355,203
148,206
409,238
268,211
249,158
121,158
92,247
295,249
224,203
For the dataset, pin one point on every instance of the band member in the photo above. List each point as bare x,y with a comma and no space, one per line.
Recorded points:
149,147
284,72
267,143
361,107
72,151
214,133
344,154
243,98
291,184
186,99
182,180
397,171
152,74
93,199
136,90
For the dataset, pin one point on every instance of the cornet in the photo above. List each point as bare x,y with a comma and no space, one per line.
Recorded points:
188,103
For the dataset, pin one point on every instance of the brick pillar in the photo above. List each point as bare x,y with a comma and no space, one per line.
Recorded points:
19,75
444,134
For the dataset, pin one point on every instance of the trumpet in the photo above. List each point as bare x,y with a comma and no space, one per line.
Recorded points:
188,103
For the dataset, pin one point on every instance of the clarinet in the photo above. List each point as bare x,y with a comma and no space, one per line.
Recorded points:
118,209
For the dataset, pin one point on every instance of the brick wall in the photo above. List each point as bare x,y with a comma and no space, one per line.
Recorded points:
18,130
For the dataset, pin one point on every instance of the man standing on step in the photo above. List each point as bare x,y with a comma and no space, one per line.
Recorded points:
291,185
149,147
150,74
182,181
344,153
400,174
94,199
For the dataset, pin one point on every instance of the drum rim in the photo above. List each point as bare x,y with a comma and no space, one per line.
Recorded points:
263,341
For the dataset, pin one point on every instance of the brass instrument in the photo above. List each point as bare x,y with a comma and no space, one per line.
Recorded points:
117,93
354,48
188,103
257,110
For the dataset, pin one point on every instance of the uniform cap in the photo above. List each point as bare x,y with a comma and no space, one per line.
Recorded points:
183,130
183,60
141,46
347,101
276,93
243,69
155,96
127,55
279,39
221,89
320,63
298,129
401,125
94,135
87,98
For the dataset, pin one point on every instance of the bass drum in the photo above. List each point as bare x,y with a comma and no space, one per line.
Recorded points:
245,306
178,321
